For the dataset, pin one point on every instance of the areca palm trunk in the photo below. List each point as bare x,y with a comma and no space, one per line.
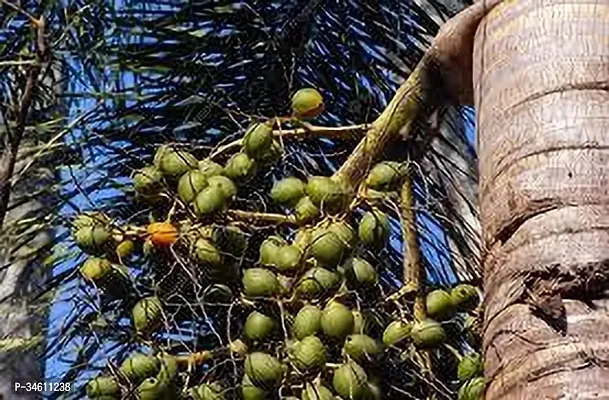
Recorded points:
541,71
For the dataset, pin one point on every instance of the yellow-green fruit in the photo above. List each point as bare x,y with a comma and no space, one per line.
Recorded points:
325,192
230,239
260,282
96,269
465,297
103,386
316,392
151,389
316,281
263,369
209,168
309,355
288,191
374,229
305,210
427,333
258,139
307,103
239,166
92,239
350,381
148,180
147,314
138,367
361,347
336,320
307,322
210,200
89,219
396,331
470,366
439,305
345,233
327,248
384,176
269,250
273,155
208,391
288,258
169,368
358,322
258,326
251,392
207,253
360,271
125,248
473,389
190,184
174,163
224,184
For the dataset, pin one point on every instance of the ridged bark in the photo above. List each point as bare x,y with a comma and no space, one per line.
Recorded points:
541,71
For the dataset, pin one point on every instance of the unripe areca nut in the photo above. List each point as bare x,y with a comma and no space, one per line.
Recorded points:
258,139
288,191
148,180
264,370
260,282
350,381
374,228
396,331
190,184
327,248
288,258
307,322
258,326
92,239
151,389
427,333
269,250
305,211
384,176
325,192
470,366
208,391
103,386
465,297
210,200
96,269
309,355
209,168
316,281
138,367
147,314
251,392
240,167
307,103
224,184
207,253
361,272
316,392
361,347
439,305
473,389
336,320
174,163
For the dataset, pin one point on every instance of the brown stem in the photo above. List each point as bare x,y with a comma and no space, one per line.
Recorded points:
413,271
9,156
258,218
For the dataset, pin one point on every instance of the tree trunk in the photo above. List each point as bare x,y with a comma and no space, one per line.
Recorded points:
541,71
